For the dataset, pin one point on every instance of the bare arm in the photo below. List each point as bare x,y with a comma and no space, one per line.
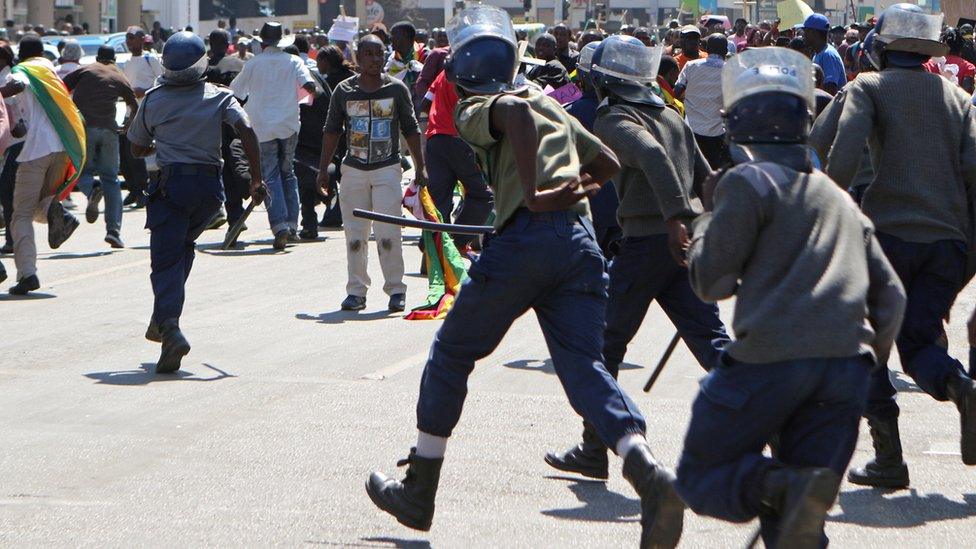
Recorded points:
330,142
417,154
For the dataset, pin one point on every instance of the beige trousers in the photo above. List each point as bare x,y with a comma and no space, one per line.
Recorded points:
33,191
380,191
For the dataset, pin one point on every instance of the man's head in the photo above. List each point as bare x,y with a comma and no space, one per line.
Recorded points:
818,76
644,35
105,55
219,41
440,38
966,31
953,38
545,47
669,70
690,38
31,46
815,29
717,44
562,36
184,59
622,69
740,26
301,43
233,21
71,53
271,34
371,55
402,37
135,39
589,36
837,33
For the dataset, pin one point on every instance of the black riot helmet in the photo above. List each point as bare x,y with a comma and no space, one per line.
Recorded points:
484,57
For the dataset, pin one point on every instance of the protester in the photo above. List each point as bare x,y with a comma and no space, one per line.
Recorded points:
815,29
142,70
690,38
95,89
270,83
699,86
965,72
373,109
70,56
551,72
565,50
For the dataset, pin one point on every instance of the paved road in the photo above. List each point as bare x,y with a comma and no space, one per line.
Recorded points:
286,404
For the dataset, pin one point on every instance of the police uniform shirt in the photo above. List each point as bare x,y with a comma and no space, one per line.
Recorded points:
564,146
185,121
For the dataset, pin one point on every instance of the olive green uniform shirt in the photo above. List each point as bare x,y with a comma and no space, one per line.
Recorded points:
564,146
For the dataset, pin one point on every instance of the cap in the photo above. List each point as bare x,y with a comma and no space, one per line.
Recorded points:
838,28
690,29
817,21
105,53
135,30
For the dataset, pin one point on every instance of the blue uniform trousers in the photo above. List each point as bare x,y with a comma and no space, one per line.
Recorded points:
815,405
932,275
641,272
181,204
549,263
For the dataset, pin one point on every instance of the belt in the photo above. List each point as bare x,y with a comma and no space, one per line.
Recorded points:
191,169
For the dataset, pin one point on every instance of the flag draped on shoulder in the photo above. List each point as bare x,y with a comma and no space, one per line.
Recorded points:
445,268
67,121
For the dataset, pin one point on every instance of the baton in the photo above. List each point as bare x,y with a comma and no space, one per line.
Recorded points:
330,197
660,364
235,229
420,224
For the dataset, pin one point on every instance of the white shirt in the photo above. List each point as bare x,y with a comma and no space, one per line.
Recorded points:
702,79
41,139
143,70
12,104
64,69
270,82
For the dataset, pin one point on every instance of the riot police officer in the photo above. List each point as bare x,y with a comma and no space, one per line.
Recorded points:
180,121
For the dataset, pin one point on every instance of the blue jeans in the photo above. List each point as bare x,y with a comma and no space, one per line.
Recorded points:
641,272
549,263
179,209
277,167
103,159
815,405
932,275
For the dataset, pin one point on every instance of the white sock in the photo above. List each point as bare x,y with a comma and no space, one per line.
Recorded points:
627,443
430,446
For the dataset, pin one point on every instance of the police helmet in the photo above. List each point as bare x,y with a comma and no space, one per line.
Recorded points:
768,96
906,36
484,55
184,58
625,67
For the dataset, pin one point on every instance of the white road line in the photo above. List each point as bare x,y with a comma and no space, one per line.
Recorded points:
396,368
100,272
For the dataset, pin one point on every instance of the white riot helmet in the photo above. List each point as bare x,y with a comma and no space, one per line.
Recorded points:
906,28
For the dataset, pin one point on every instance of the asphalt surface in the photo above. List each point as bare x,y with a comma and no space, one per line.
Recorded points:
285,405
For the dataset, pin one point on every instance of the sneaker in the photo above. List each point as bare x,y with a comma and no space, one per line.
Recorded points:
293,237
398,302
60,225
91,211
113,240
69,204
25,285
353,303
280,240
308,234
218,221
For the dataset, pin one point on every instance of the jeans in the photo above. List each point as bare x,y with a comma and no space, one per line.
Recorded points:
448,160
178,211
815,405
641,272
103,159
550,263
277,167
932,275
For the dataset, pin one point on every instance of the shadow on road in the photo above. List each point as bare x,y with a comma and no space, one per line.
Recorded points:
378,542
147,374
339,317
29,297
77,256
599,504
545,366
896,509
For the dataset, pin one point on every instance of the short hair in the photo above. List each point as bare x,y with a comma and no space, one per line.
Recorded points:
405,27
301,42
31,46
71,51
135,30
545,37
668,64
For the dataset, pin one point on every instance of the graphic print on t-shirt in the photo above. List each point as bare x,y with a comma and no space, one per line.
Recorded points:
370,129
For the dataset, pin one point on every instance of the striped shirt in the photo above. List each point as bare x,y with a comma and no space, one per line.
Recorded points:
702,80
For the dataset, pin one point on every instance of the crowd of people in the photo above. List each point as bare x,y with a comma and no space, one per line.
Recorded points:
781,166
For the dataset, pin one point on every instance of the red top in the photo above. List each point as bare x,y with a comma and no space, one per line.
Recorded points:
443,98
966,69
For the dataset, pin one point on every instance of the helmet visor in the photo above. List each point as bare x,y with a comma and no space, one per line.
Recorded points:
763,70
478,22
629,61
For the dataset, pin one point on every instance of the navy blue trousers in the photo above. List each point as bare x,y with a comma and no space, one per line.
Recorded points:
178,211
641,272
549,263
814,404
932,275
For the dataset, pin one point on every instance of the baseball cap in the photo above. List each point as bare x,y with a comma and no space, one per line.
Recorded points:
817,22
690,29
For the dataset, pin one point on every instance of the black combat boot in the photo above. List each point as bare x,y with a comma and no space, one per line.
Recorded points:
801,497
887,469
962,390
589,458
662,511
174,348
411,501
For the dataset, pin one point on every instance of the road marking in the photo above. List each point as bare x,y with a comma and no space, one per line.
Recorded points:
398,367
100,272
940,453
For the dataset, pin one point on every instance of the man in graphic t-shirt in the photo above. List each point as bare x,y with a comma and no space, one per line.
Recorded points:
373,109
